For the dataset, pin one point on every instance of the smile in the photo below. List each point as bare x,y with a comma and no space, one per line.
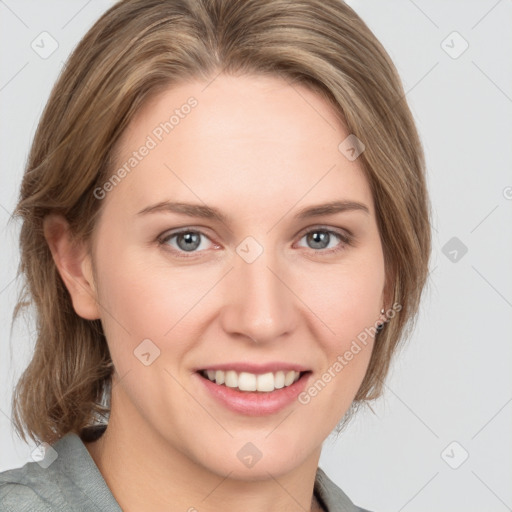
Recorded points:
254,390
245,381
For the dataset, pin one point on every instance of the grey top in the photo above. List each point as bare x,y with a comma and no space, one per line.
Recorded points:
68,479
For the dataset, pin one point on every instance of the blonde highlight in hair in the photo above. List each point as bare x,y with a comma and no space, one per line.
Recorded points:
139,48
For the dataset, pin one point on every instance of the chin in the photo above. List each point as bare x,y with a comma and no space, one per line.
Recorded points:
259,459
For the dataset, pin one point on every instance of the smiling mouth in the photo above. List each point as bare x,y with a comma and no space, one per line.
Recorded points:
251,382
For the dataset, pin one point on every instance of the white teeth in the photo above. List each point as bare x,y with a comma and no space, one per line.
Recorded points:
231,379
219,377
246,381
288,379
266,382
279,380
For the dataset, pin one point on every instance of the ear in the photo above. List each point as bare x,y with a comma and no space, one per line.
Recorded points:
74,264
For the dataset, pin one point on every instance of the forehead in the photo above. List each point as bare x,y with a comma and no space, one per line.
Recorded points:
241,142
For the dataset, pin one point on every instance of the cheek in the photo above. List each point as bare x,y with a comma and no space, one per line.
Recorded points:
346,298
150,301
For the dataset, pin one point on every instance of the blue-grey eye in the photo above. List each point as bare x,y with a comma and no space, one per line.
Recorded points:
321,238
190,239
187,241
318,239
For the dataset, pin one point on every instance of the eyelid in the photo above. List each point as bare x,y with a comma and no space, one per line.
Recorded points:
344,234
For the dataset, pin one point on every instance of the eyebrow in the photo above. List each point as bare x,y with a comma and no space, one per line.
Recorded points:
208,212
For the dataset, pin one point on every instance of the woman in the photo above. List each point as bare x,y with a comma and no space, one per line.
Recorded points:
225,235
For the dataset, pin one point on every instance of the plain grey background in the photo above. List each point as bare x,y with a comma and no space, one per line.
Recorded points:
440,438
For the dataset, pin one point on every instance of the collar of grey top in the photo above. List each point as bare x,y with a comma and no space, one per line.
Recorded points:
73,478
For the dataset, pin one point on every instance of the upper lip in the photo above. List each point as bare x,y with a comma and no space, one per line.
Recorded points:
255,368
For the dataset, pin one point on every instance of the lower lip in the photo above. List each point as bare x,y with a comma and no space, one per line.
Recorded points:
255,403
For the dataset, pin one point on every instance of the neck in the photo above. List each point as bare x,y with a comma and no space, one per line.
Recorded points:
145,473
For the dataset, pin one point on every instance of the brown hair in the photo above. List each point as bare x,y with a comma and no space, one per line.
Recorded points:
137,49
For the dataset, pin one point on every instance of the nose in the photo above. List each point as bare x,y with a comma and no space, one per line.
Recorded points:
259,302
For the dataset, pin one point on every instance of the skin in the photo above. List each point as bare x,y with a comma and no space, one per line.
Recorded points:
259,150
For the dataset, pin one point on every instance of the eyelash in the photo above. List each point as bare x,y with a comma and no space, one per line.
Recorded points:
345,240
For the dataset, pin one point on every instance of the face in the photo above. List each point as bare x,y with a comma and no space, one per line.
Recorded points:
217,267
